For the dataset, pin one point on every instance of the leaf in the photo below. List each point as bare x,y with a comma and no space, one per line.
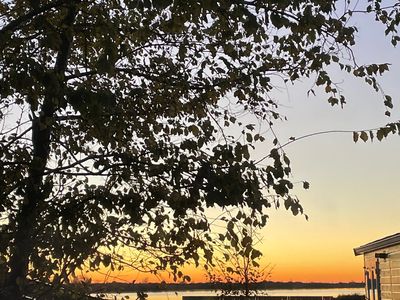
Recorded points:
106,260
371,135
364,136
249,137
246,241
255,254
380,134
295,209
286,160
388,101
194,129
355,136
288,202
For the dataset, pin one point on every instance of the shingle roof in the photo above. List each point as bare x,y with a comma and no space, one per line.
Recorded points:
388,241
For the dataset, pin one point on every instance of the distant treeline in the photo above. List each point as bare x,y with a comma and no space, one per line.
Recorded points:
266,285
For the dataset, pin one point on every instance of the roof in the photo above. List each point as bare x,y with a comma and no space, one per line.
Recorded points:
388,241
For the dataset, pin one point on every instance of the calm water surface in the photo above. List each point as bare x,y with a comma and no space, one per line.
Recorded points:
295,292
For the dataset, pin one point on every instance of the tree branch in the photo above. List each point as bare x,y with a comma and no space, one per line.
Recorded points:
15,24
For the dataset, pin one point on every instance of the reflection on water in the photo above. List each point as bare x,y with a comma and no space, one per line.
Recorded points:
295,292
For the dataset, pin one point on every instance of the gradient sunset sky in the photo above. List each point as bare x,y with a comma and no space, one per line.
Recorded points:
354,196
355,193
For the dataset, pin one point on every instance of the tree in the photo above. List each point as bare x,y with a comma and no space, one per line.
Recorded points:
236,266
114,131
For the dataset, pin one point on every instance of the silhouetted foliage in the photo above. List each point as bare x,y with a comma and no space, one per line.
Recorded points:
236,259
114,125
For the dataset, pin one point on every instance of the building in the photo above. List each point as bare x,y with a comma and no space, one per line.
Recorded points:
382,268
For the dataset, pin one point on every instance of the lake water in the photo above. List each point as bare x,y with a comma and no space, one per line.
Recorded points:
294,292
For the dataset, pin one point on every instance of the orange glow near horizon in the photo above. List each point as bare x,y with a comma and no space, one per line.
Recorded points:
283,274
353,197
309,269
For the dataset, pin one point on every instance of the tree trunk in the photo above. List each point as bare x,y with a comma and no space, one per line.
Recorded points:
26,218
34,192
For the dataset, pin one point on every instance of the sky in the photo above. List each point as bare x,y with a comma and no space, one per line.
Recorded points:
354,194
354,197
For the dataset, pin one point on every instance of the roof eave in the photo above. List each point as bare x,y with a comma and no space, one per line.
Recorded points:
385,242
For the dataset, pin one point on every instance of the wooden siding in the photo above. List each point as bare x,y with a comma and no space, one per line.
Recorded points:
389,270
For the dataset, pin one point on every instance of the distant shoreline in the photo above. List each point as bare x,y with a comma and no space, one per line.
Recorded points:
118,287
